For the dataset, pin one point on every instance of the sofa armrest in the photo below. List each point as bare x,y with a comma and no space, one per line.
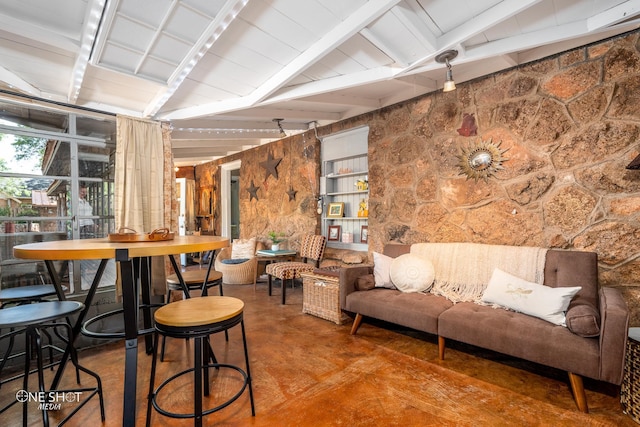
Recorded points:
348,277
614,331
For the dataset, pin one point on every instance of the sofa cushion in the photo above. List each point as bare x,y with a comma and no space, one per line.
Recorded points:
411,273
520,335
366,282
243,248
416,310
541,301
583,320
235,260
381,270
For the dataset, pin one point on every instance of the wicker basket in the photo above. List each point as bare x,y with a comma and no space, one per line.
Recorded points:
630,390
321,297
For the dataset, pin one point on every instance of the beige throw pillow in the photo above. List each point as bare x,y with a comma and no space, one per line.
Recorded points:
243,248
412,273
381,267
529,298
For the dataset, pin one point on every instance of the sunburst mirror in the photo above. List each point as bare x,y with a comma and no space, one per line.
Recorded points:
481,160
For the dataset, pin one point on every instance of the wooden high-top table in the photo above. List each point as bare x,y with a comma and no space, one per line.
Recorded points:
129,254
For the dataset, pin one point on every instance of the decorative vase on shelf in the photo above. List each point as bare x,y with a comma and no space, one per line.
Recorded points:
275,247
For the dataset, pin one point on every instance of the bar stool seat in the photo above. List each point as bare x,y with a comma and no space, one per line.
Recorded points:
20,295
198,318
31,319
26,294
194,280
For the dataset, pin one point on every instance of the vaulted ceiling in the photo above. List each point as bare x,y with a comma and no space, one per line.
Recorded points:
221,70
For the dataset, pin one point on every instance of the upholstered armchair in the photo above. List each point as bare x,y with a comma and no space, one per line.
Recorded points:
239,267
311,249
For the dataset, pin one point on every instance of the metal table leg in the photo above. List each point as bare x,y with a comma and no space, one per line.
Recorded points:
130,312
81,316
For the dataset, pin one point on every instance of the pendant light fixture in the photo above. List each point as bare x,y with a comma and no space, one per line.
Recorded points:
444,58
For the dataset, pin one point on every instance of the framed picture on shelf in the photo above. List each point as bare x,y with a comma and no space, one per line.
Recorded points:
364,234
336,210
334,233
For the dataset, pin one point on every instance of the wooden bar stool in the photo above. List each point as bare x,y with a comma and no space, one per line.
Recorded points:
197,318
31,319
194,280
21,295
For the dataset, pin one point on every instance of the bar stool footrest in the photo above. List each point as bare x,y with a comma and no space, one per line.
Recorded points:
223,405
114,335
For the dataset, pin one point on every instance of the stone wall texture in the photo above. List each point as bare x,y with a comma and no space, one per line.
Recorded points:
570,124
297,165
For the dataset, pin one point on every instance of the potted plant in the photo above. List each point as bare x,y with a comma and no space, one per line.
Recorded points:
276,238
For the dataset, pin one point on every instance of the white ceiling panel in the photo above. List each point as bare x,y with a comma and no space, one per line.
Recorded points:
536,18
63,17
209,7
364,53
194,93
279,26
123,92
395,36
337,63
236,78
120,58
187,24
141,12
209,65
342,8
250,37
449,15
156,70
46,78
245,57
170,49
504,29
313,16
123,27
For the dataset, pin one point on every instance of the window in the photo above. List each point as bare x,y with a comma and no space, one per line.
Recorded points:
49,156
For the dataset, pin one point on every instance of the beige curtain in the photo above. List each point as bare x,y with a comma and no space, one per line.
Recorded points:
142,173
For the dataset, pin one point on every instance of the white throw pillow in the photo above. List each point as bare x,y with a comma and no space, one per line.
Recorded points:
243,248
411,273
529,298
381,267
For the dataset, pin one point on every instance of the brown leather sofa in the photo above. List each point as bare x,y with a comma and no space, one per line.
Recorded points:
598,353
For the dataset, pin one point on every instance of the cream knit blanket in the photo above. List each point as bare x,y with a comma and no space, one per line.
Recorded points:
463,270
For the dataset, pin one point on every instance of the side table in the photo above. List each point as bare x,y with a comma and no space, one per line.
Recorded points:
630,390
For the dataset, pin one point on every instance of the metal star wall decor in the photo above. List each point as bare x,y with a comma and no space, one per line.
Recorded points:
253,191
291,193
271,166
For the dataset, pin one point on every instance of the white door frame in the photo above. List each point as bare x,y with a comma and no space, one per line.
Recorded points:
225,195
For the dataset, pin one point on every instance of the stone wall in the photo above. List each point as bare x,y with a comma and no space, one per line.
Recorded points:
570,123
265,201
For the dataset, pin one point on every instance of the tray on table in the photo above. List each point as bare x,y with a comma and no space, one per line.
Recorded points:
129,235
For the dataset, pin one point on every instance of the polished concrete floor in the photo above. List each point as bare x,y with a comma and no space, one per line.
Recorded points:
311,372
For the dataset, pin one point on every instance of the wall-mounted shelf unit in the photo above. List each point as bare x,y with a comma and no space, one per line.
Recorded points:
344,163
